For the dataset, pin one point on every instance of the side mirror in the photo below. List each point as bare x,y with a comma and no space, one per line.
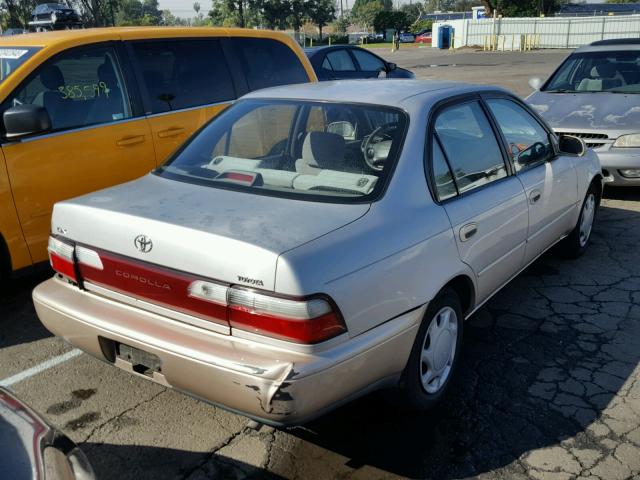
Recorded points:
391,66
570,145
535,83
24,120
382,73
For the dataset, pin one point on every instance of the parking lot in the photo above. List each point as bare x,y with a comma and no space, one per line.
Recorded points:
548,387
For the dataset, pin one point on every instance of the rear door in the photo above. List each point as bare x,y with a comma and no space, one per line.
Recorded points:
184,83
550,181
98,139
486,205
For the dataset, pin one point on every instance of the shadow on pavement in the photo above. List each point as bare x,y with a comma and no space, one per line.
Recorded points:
541,363
18,320
138,462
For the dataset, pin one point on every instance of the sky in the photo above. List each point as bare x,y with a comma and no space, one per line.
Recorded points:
184,8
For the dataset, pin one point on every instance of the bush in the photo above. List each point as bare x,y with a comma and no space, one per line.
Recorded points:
421,25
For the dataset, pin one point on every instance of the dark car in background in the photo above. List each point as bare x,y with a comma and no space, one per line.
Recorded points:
54,16
345,62
14,31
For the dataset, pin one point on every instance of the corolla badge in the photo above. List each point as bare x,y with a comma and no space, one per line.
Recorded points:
143,243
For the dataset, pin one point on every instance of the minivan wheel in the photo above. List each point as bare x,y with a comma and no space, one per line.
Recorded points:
578,240
435,352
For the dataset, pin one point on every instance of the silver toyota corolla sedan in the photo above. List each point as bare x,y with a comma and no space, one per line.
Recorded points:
315,242
595,95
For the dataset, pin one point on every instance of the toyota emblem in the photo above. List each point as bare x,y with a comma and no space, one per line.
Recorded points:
143,243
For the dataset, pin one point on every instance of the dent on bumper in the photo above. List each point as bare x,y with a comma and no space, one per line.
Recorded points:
271,384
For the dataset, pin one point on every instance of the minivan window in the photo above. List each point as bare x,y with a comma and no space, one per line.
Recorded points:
78,88
470,146
294,148
268,63
12,57
180,74
601,71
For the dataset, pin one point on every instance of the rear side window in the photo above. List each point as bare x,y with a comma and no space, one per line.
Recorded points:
470,146
183,74
78,88
268,63
341,61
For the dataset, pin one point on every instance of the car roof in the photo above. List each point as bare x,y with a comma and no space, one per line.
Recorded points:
67,38
388,92
614,44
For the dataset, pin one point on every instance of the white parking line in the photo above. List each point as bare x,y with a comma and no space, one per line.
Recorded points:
30,372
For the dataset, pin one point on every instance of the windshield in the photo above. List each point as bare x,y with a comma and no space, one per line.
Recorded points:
615,72
311,150
11,58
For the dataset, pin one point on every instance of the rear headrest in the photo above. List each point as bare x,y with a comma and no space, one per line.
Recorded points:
107,74
604,70
323,150
51,77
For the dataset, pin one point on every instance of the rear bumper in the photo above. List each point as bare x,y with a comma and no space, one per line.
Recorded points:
272,384
614,160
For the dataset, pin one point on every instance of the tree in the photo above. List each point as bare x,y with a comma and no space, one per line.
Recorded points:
322,12
413,10
274,13
439,5
18,12
386,4
298,10
399,21
366,13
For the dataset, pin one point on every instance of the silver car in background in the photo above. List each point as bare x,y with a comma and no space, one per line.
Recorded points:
315,242
595,95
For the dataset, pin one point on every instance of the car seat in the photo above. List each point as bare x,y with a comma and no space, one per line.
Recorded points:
108,104
603,77
52,99
321,150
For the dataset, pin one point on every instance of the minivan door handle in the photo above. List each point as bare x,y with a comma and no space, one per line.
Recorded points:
468,231
171,132
128,141
534,196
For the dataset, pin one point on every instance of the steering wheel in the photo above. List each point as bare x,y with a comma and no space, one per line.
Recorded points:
371,154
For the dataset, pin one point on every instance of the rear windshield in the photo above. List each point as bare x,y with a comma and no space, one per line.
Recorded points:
614,72
311,150
12,57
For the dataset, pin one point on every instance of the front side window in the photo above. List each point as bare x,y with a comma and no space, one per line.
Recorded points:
12,57
341,61
268,63
613,71
470,146
529,143
78,88
183,73
318,151
367,61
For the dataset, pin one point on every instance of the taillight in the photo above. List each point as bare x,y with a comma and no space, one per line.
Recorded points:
61,257
303,320
309,320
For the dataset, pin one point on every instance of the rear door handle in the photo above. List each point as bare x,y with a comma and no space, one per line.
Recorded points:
468,231
171,132
534,196
128,141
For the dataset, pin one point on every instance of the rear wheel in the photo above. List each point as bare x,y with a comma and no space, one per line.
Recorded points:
435,353
578,240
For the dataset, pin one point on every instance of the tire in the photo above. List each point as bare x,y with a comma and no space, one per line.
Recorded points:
578,240
421,395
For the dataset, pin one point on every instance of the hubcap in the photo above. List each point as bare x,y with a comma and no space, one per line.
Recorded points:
439,349
586,218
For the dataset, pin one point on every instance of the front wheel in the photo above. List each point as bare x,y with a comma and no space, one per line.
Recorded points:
578,240
435,352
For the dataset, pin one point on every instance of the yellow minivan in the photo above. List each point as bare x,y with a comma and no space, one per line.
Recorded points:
82,110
